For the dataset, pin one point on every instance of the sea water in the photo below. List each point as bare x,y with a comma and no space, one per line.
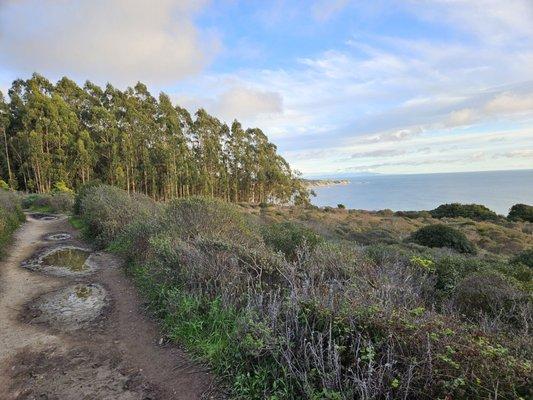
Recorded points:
498,190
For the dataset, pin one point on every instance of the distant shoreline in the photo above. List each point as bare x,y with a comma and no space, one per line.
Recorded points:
315,183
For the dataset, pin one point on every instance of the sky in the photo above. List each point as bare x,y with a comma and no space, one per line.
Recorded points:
340,86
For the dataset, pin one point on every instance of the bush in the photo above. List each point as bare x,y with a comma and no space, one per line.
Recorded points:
3,185
57,202
413,214
106,210
488,294
473,211
440,235
82,191
213,218
521,212
61,187
288,237
11,216
525,257
341,206
334,322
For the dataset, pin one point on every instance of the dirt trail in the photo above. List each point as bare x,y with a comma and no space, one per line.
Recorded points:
119,355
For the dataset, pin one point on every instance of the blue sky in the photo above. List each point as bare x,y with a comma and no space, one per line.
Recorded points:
341,86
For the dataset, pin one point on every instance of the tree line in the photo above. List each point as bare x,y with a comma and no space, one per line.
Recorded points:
64,133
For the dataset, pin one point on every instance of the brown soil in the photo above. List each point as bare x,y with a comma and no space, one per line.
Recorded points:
122,356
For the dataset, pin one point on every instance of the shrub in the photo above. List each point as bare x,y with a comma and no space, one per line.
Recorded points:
3,185
413,214
525,257
57,202
61,187
288,237
473,211
341,206
440,235
82,191
11,216
488,294
521,212
106,210
201,216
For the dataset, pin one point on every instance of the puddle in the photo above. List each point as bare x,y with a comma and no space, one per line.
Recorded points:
72,259
57,237
62,261
44,217
69,308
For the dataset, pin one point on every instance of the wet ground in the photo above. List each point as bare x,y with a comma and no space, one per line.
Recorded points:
73,327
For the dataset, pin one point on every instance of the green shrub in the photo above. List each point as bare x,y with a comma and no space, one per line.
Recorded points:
106,210
341,206
207,217
11,216
488,293
440,235
61,187
525,257
413,214
56,202
473,211
80,194
521,212
288,237
3,185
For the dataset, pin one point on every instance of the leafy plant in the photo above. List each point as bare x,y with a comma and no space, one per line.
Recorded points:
440,235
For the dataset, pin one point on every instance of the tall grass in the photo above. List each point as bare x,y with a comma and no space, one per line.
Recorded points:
320,320
11,216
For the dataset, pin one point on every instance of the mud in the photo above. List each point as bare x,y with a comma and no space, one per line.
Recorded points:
69,308
81,333
44,216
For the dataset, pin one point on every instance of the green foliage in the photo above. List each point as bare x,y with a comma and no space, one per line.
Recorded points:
64,134
57,202
289,237
341,206
476,212
525,257
489,294
11,216
440,235
336,322
3,185
521,212
61,187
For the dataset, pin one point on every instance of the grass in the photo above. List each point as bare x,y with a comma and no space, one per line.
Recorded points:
76,222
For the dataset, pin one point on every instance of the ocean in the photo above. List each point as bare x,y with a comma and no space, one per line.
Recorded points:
498,190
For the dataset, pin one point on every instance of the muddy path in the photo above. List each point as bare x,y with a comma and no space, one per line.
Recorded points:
72,326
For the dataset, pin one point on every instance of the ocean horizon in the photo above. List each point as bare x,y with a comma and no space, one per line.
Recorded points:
498,190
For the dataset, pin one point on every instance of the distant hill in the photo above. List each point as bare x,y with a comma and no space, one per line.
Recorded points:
310,183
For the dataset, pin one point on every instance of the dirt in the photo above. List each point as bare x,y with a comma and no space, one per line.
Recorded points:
83,336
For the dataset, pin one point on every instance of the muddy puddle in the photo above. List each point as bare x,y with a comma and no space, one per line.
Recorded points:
44,217
70,308
58,237
62,261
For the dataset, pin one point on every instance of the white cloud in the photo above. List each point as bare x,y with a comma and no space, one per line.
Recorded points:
245,102
118,40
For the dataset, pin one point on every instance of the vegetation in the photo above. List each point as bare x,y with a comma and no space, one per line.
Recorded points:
58,137
328,320
10,216
54,202
440,235
521,212
476,212
524,257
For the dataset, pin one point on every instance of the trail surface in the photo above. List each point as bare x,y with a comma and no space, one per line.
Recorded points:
119,355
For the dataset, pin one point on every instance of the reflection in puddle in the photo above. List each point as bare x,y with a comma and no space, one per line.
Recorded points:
71,259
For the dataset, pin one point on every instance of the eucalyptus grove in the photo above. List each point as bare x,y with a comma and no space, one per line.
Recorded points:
131,139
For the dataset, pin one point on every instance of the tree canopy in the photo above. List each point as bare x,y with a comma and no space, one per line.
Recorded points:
66,133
